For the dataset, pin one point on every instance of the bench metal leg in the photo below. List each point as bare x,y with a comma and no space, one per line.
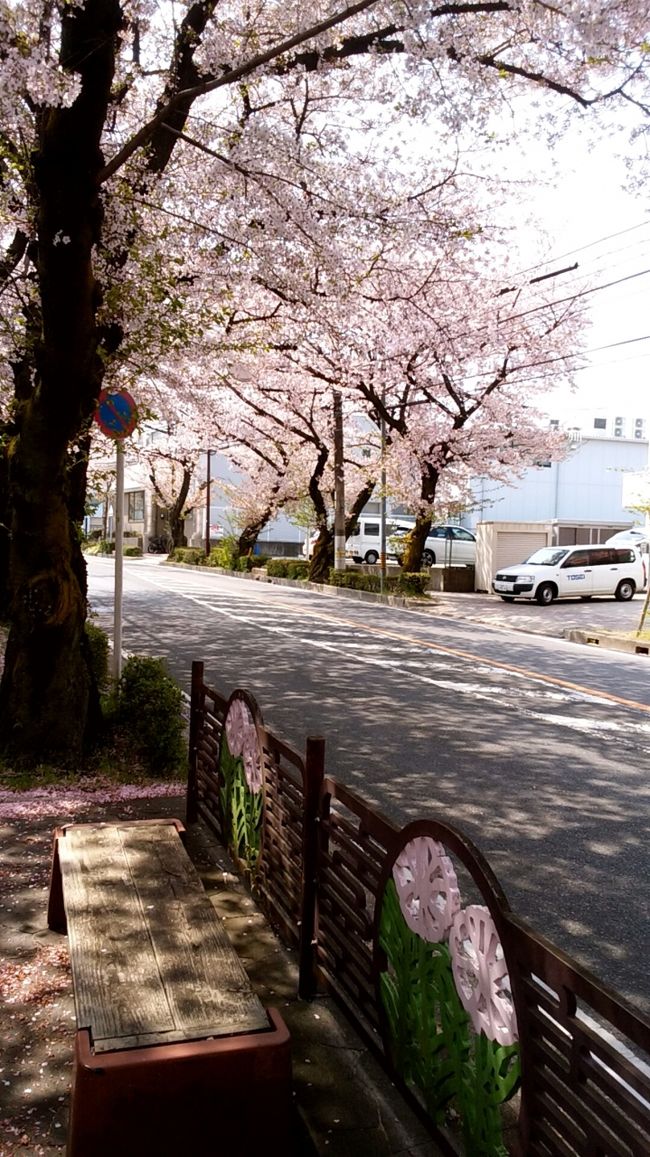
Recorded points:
226,1095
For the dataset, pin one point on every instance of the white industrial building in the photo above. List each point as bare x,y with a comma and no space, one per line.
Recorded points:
587,486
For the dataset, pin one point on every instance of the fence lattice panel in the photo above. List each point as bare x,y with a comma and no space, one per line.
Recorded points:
572,1079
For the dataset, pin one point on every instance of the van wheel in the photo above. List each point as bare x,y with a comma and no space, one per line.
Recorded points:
508,598
428,557
545,594
625,591
372,557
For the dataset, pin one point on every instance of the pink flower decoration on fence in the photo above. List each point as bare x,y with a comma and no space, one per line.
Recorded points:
427,888
481,976
241,734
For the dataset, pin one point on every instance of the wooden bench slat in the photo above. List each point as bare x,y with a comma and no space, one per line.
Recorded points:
151,961
117,986
208,987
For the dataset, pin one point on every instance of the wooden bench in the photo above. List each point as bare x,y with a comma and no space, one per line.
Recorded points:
174,1052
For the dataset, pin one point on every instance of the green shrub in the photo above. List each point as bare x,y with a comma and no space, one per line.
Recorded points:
259,560
224,554
354,580
277,568
132,552
149,705
187,554
413,583
106,547
98,652
298,569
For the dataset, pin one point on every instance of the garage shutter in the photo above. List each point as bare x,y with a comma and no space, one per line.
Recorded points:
515,546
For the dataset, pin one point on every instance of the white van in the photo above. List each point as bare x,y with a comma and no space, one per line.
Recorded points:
445,544
636,537
556,572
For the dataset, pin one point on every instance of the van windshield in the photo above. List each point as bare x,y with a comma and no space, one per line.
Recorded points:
547,556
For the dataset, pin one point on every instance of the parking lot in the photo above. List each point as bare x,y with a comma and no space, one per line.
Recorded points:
557,619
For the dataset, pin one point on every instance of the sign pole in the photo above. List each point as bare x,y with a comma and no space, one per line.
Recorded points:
119,558
117,416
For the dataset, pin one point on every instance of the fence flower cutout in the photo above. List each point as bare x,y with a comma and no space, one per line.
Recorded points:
481,975
427,888
241,736
252,762
237,719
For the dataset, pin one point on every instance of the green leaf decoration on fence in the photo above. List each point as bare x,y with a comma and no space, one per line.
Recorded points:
429,1027
490,1078
431,1040
241,809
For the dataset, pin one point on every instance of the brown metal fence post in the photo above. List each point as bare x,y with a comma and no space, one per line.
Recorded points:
196,714
314,773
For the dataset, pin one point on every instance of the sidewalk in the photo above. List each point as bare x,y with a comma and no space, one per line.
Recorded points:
345,1105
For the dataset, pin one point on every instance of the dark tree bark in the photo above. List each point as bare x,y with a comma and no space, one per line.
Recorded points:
412,557
45,696
175,513
250,534
5,515
323,556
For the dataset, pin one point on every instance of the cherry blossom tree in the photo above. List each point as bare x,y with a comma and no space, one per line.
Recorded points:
116,110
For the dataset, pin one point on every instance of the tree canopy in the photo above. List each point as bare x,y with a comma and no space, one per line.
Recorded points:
151,150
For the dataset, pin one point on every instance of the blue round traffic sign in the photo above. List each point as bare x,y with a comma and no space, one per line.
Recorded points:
116,414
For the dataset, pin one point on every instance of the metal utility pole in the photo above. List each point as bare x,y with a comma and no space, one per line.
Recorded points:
207,504
339,486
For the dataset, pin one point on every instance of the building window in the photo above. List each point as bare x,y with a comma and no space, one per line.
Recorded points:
600,423
135,506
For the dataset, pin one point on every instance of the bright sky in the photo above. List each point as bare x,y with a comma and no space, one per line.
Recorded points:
591,219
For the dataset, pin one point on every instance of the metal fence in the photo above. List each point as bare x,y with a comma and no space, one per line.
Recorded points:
503,1042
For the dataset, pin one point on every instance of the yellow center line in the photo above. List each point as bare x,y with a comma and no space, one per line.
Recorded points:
457,653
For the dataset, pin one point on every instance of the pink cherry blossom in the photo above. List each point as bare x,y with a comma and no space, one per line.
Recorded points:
481,974
427,888
241,735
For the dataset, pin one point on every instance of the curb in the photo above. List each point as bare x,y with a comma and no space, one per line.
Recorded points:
608,642
320,588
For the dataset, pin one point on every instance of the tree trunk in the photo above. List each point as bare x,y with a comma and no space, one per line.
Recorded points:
5,518
250,534
46,699
415,540
412,557
322,558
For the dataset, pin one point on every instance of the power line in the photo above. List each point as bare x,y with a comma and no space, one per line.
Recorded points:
574,296
583,248
563,358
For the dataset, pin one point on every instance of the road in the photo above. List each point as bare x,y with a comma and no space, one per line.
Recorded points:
537,747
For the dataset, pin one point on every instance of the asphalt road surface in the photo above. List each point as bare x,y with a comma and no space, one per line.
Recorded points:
538,748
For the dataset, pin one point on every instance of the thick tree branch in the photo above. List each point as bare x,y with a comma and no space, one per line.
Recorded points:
186,97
